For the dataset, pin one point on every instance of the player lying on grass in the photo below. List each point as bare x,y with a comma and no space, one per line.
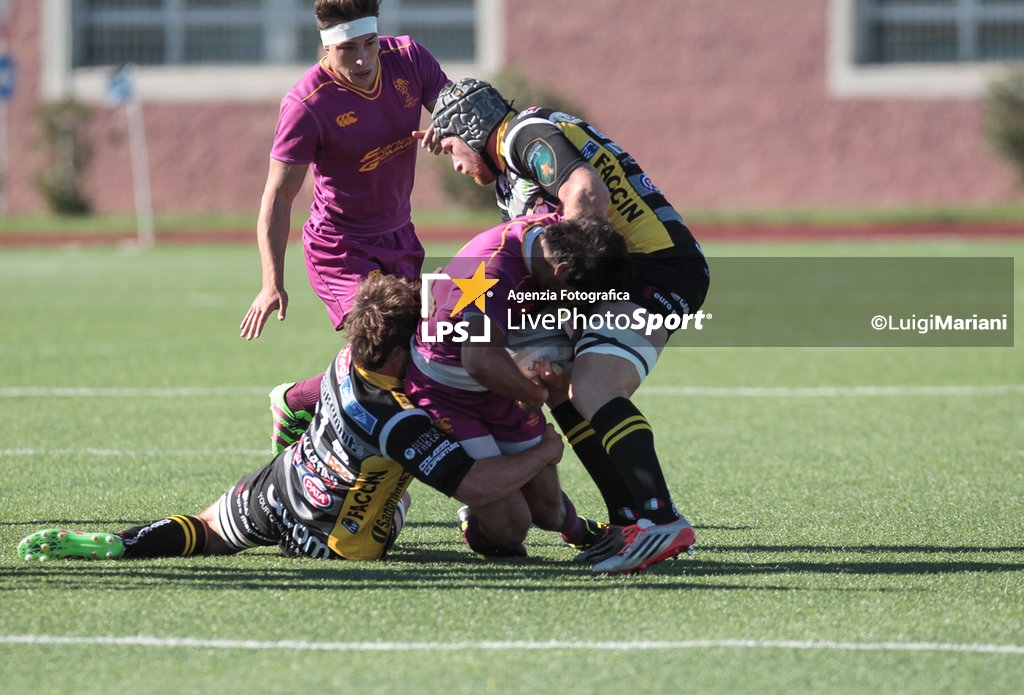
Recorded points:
539,159
341,490
474,386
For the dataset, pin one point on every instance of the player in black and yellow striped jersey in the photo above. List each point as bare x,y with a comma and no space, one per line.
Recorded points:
340,491
541,160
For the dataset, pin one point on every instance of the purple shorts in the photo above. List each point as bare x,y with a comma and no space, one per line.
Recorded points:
467,415
336,265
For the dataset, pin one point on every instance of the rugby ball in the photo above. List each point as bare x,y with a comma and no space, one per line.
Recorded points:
527,346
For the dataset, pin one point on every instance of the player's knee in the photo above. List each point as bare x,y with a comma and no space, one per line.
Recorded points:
510,533
606,368
215,543
508,528
598,379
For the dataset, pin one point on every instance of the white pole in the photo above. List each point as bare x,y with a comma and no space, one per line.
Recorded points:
5,159
5,176
140,171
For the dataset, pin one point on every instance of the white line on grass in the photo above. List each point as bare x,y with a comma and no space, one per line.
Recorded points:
91,451
116,392
829,391
290,645
714,391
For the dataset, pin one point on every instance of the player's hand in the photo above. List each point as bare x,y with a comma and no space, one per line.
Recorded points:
552,441
532,405
428,140
556,379
265,304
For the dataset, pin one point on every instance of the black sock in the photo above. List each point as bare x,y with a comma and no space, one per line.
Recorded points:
602,470
627,437
173,536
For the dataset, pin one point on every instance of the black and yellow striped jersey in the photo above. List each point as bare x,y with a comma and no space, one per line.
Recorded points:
539,148
365,445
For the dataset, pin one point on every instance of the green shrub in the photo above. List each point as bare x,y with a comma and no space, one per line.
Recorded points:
1004,118
68,154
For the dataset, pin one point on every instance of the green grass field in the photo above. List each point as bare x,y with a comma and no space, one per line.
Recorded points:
859,512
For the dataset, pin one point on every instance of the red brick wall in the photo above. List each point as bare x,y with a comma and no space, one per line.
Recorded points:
23,45
724,102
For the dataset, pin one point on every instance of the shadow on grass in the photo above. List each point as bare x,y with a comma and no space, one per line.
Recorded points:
447,565
421,569
833,550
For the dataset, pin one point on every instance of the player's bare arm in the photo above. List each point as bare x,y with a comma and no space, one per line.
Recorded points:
491,367
493,478
584,193
284,181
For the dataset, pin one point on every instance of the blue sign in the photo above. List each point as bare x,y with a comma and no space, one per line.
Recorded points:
121,85
6,76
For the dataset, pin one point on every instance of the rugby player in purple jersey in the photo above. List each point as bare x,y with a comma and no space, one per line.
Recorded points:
474,389
341,490
350,119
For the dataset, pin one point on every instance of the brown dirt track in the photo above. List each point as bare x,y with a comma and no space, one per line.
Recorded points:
706,233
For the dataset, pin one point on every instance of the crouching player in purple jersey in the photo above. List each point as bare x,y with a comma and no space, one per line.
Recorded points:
540,159
350,119
341,490
474,388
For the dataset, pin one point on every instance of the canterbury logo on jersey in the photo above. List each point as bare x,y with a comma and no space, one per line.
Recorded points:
347,118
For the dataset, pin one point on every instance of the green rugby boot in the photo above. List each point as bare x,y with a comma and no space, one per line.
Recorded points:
56,544
288,425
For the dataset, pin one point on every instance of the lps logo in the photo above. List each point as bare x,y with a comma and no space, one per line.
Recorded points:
474,291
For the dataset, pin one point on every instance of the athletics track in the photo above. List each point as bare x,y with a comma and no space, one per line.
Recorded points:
705,233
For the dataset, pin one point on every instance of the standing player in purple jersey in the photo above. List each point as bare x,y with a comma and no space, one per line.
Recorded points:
541,159
351,120
476,391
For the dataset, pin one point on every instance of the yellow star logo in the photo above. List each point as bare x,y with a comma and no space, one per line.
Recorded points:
474,290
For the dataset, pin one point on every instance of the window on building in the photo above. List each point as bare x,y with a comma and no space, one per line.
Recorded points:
939,31
247,32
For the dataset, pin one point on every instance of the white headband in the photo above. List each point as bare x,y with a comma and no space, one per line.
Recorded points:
344,32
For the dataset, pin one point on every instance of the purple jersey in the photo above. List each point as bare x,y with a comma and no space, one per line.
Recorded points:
436,380
359,143
505,251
